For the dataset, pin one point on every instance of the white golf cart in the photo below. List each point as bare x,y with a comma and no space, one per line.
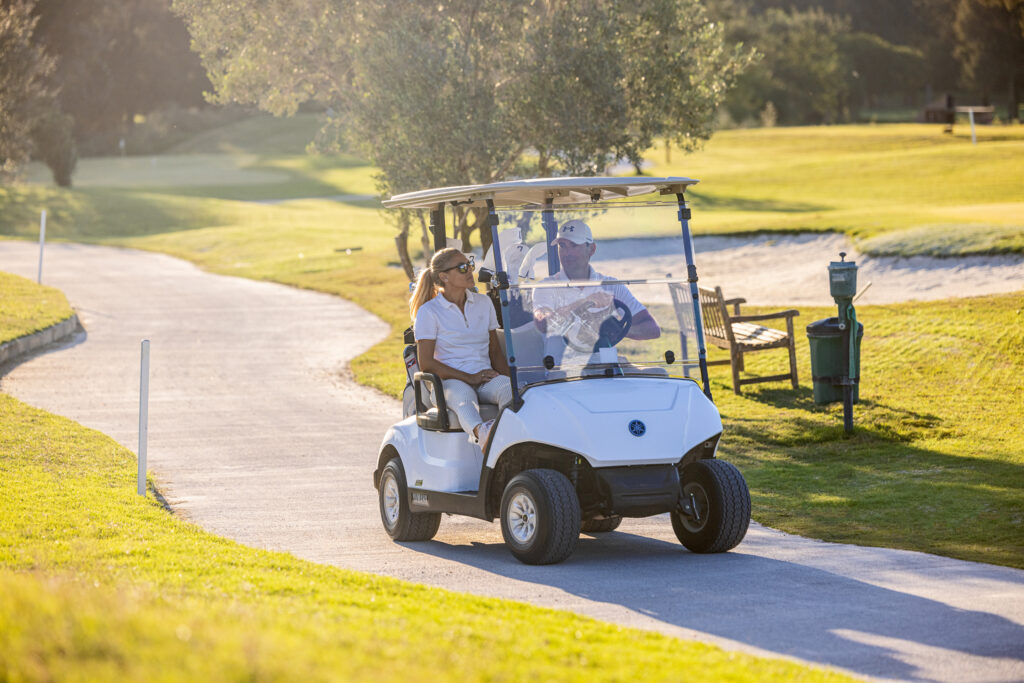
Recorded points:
605,421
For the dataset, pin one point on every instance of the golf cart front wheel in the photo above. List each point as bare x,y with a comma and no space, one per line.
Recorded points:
719,502
540,517
400,522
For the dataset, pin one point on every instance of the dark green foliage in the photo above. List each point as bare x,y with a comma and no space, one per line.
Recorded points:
55,145
24,90
116,60
990,47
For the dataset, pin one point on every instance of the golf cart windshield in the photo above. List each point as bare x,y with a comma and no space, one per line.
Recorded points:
595,289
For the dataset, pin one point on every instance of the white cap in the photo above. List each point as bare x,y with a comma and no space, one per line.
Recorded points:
576,231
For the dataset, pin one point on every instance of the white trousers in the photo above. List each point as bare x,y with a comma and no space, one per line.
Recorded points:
465,400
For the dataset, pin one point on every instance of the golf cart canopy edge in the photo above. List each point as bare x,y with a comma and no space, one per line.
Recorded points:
539,191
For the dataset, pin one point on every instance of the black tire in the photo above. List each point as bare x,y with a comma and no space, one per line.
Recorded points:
599,526
723,500
401,523
540,517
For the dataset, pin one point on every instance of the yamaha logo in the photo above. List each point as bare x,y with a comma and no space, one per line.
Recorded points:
637,428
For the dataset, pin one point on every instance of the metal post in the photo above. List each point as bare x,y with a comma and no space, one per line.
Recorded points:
501,280
970,115
143,415
550,233
691,272
42,243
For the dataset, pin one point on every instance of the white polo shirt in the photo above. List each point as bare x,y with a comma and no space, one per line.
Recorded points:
462,338
559,297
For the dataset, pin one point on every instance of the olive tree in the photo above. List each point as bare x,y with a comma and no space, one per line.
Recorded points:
25,92
474,91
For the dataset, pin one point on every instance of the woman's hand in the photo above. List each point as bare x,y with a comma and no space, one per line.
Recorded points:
484,376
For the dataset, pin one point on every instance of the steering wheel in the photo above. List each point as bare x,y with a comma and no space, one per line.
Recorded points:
592,329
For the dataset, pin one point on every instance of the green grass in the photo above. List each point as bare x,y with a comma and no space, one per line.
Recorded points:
898,181
26,307
97,583
938,445
936,462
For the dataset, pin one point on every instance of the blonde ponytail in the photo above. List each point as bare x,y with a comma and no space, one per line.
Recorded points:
429,281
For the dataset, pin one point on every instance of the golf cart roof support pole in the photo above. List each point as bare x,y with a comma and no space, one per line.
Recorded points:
437,227
691,274
501,278
547,219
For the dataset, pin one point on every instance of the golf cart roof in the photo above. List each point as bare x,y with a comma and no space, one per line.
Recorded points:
538,191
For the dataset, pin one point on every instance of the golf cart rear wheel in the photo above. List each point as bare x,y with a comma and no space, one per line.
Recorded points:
718,494
540,517
399,521
597,526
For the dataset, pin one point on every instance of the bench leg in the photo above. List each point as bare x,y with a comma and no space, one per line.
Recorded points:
737,361
792,352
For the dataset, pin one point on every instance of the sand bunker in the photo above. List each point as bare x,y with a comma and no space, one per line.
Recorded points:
791,269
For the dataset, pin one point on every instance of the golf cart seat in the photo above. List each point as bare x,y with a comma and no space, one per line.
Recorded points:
423,403
488,411
431,405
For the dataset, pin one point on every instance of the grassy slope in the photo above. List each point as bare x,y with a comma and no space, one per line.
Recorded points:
97,583
917,468
937,459
27,307
901,189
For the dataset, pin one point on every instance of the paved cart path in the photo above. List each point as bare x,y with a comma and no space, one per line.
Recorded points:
257,434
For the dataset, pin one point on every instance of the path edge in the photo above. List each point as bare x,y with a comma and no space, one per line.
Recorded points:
22,346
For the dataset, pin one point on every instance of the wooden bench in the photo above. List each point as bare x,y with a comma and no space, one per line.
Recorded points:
740,334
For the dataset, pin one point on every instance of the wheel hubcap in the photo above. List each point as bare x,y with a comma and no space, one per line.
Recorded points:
698,499
522,518
390,500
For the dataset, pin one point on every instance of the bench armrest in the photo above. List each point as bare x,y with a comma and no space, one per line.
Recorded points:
791,313
421,408
735,303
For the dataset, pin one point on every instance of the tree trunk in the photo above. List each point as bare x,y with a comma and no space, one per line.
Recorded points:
402,244
1013,113
426,241
485,230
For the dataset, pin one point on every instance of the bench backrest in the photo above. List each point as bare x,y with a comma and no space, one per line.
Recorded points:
716,317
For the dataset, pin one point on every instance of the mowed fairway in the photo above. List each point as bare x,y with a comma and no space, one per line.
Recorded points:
902,189
938,460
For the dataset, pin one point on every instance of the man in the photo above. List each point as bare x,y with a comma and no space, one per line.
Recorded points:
579,314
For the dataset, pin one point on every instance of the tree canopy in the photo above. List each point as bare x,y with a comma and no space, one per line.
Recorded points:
474,91
25,91
468,91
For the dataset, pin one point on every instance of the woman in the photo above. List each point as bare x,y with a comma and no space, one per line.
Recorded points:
457,340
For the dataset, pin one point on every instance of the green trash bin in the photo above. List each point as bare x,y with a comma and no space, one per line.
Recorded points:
827,360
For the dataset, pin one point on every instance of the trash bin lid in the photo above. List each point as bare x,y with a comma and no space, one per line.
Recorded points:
829,327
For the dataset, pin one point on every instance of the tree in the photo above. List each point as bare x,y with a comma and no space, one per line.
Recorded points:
474,91
990,47
116,60
24,90
803,71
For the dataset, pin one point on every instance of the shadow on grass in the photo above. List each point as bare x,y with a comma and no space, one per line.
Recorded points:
887,422
94,213
297,183
734,203
787,607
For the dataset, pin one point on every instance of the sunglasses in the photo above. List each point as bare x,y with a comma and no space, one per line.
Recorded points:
462,267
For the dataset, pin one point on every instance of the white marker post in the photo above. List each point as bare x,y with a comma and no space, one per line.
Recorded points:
42,242
143,415
974,137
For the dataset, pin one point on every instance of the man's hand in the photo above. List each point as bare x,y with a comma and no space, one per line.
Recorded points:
599,299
